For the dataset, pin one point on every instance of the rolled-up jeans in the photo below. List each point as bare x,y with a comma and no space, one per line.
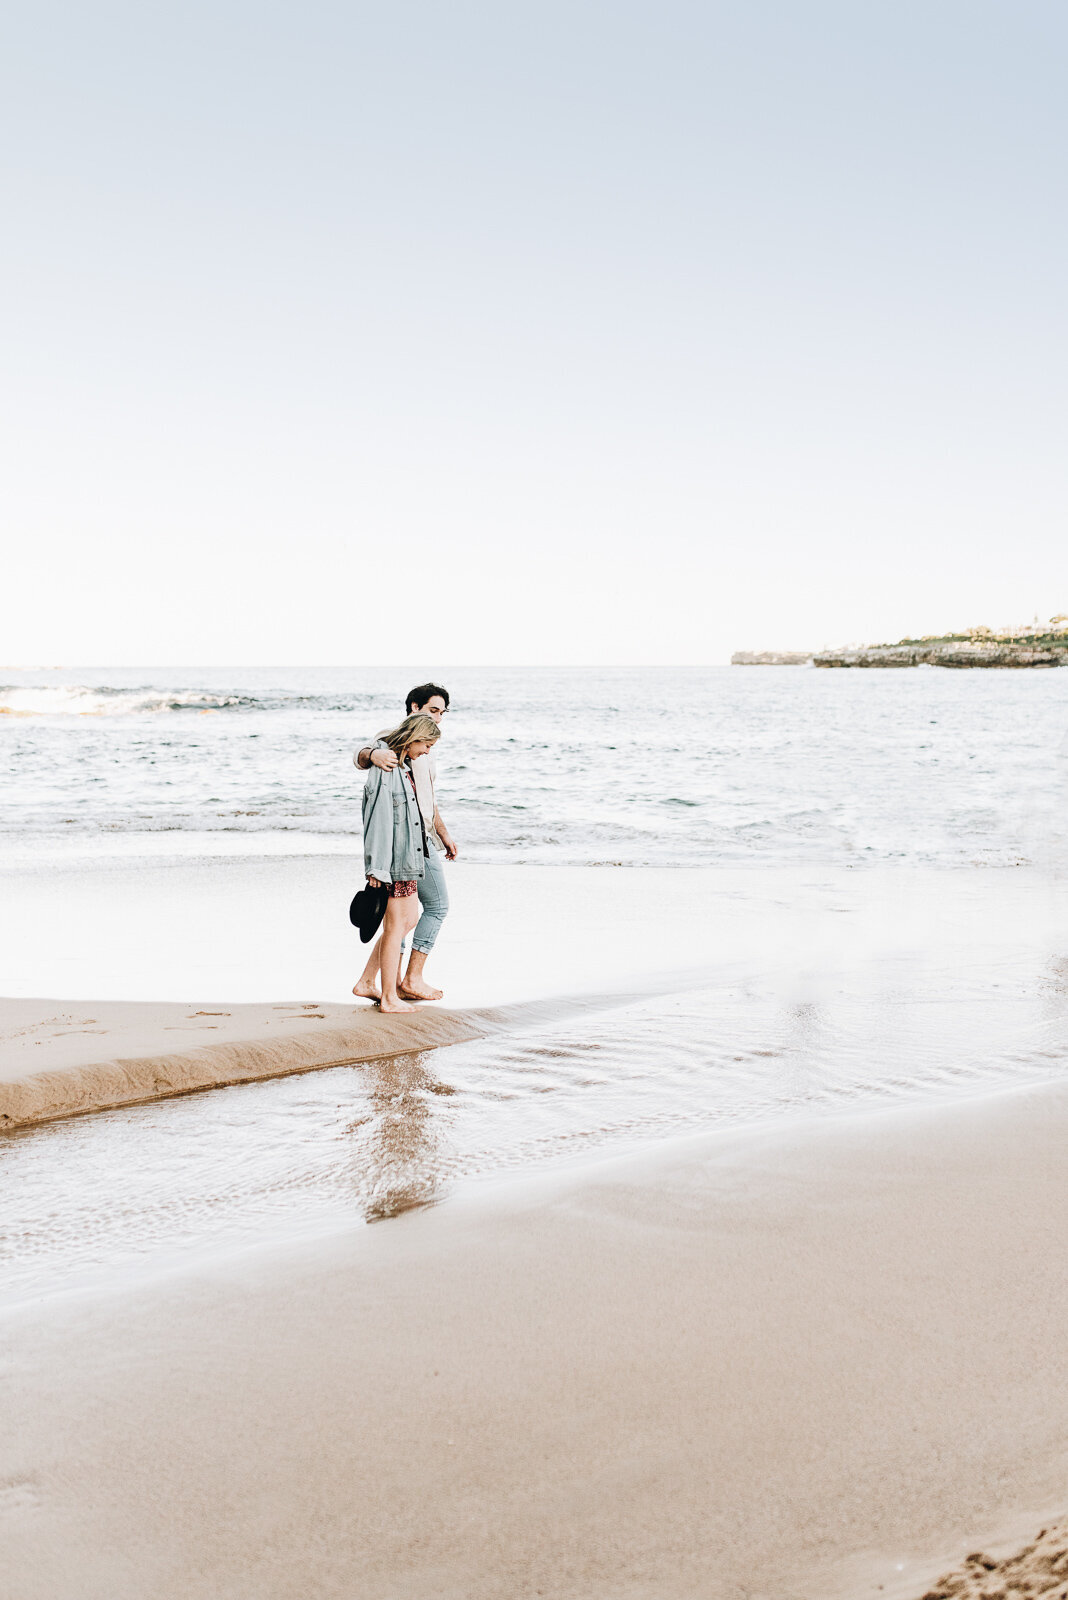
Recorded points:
434,899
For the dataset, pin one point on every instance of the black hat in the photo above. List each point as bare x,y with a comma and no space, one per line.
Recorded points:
367,910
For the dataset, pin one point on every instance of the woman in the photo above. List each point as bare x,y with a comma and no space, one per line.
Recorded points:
394,850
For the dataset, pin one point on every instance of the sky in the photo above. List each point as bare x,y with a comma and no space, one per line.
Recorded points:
529,332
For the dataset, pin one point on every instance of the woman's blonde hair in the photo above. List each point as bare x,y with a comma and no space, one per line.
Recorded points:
411,731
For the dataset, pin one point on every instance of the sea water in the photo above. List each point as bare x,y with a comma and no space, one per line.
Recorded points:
638,766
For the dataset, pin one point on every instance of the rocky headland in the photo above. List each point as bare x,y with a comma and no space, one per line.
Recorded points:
954,650
1042,645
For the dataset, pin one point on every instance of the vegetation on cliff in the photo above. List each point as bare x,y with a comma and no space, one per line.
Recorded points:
1039,644
1036,645
1051,635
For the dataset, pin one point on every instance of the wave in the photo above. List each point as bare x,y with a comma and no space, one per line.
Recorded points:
81,700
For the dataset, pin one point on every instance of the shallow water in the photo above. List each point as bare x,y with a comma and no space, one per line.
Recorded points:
137,1188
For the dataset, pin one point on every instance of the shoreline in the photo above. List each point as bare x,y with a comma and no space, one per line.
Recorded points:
134,1062
753,1362
579,939
81,1078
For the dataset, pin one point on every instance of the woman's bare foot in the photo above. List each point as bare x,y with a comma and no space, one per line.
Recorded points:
393,1005
418,991
365,991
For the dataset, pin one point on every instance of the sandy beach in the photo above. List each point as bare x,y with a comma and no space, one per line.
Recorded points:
248,973
200,1001
640,429
819,1364
58,1060
812,1353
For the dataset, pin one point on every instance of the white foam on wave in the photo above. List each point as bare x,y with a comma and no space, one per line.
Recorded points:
66,700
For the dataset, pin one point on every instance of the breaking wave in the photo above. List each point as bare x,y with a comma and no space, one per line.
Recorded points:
77,700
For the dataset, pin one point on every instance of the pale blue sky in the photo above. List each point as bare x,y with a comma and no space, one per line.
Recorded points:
552,332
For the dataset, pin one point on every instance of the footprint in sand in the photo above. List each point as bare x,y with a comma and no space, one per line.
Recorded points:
35,1027
21,1495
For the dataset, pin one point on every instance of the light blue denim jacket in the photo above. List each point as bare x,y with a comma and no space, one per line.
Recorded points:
392,835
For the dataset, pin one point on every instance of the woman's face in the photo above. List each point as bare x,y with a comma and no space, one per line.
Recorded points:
419,748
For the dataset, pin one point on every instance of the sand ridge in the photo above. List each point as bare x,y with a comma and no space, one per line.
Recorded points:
62,1059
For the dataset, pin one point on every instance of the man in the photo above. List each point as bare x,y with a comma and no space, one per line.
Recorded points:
433,701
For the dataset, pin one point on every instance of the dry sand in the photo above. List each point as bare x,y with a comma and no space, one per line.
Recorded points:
817,1364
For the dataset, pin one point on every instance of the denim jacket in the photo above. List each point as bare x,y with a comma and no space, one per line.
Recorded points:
392,835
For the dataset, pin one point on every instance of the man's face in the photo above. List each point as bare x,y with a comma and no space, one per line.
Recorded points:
435,707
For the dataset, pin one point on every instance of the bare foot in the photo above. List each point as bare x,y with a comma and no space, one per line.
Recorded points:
365,991
393,1005
418,991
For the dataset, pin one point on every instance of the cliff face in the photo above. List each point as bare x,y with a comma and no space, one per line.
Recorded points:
950,653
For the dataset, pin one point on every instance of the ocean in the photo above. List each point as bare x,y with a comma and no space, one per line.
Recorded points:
632,766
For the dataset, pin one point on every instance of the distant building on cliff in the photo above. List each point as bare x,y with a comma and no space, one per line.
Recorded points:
771,658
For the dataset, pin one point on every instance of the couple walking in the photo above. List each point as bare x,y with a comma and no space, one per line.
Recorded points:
405,846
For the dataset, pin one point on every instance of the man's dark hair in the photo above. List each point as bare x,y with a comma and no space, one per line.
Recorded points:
424,692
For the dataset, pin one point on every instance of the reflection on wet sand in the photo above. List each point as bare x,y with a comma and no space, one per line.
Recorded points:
374,1140
398,1156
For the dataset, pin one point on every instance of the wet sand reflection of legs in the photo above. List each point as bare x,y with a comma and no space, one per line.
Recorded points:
400,1155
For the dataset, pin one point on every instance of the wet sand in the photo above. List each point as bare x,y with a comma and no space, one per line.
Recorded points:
813,1364
62,1059
59,1059
819,1361
243,935
180,975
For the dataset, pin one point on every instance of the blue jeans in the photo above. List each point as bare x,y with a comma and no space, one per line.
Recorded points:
434,899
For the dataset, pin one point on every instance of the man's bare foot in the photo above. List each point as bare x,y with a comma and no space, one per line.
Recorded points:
393,1006
418,991
365,991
